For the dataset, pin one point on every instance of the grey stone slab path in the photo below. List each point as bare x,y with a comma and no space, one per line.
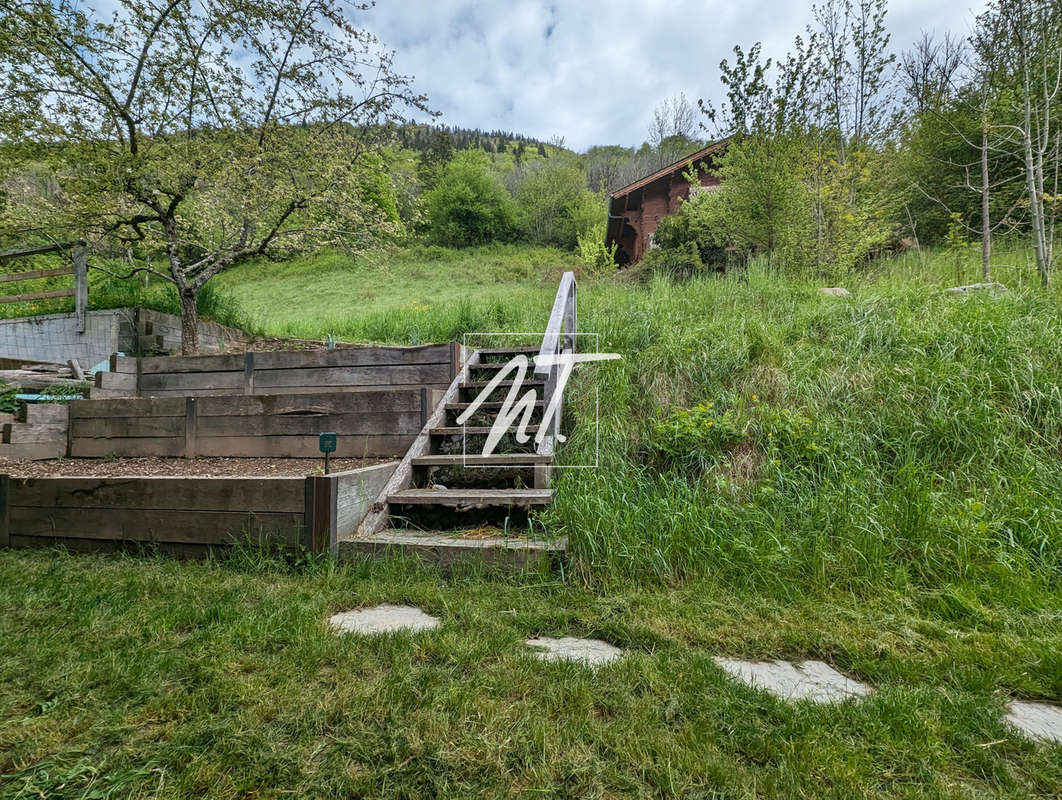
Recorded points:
810,680
383,619
593,652
1038,721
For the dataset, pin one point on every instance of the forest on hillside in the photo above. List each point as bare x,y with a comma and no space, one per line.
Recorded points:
141,136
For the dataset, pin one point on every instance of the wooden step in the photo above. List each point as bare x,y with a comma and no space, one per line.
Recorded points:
22,433
33,451
498,366
472,498
477,460
508,351
469,430
527,383
490,405
507,553
44,413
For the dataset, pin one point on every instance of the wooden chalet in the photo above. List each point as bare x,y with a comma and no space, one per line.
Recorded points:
635,211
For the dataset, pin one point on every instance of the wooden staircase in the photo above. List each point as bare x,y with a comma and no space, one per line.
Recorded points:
446,500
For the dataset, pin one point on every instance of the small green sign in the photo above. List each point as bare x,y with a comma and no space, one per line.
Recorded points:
327,442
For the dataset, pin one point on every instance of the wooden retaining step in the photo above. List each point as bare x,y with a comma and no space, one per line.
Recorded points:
472,498
496,460
22,433
511,554
33,451
470,430
508,351
491,405
527,383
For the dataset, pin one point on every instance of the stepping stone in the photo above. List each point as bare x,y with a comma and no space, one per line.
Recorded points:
592,652
810,680
1036,720
383,619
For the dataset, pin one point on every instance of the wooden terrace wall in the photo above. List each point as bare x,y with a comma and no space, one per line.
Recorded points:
186,517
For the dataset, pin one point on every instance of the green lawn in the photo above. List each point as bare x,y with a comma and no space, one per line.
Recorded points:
872,481
150,678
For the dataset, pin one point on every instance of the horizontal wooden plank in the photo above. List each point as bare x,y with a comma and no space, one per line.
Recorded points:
422,374
301,359
479,460
21,433
40,249
330,402
381,423
126,427
75,545
124,381
123,364
301,446
132,407
15,277
265,495
355,357
284,390
44,413
24,298
191,382
161,447
36,451
472,498
140,525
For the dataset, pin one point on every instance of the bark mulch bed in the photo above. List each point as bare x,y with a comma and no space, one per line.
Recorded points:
179,467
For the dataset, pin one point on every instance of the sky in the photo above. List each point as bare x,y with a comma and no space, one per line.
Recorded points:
592,71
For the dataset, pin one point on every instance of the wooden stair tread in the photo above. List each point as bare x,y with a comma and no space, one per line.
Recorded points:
473,430
472,497
475,459
483,384
491,405
505,351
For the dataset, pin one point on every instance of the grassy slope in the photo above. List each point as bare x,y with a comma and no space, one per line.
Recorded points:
879,487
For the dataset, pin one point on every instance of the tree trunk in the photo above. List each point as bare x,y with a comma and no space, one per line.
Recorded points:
189,323
986,217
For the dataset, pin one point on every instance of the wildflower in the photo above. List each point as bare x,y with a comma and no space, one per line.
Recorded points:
755,397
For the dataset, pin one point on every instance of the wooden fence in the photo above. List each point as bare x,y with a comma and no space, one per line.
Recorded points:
185,516
380,423
79,269
345,369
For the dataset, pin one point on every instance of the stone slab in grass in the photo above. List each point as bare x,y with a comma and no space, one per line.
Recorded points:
809,680
593,652
1036,720
383,619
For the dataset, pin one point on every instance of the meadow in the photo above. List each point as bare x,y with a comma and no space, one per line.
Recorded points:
873,481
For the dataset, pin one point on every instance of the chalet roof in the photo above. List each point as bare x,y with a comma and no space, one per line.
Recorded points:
714,147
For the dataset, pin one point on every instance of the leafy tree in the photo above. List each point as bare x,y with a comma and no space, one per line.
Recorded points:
469,206
555,206
214,132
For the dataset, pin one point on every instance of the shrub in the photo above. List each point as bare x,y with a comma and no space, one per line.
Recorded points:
469,206
554,205
596,256
682,261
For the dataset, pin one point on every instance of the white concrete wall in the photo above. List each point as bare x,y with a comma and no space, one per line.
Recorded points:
54,338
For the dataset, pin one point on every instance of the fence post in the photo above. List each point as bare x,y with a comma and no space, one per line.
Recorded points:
81,285
5,494
319,527
190,427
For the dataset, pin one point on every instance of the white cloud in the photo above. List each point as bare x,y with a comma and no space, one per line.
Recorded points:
593,71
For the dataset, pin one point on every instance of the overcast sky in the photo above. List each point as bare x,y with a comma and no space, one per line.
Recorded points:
593,72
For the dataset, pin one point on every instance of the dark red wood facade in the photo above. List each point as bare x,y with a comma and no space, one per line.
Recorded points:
635,211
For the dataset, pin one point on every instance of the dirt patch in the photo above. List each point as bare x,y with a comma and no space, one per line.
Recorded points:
178,467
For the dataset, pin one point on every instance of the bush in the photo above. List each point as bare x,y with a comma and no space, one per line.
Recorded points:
596,256
682,261
469,206
555,207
